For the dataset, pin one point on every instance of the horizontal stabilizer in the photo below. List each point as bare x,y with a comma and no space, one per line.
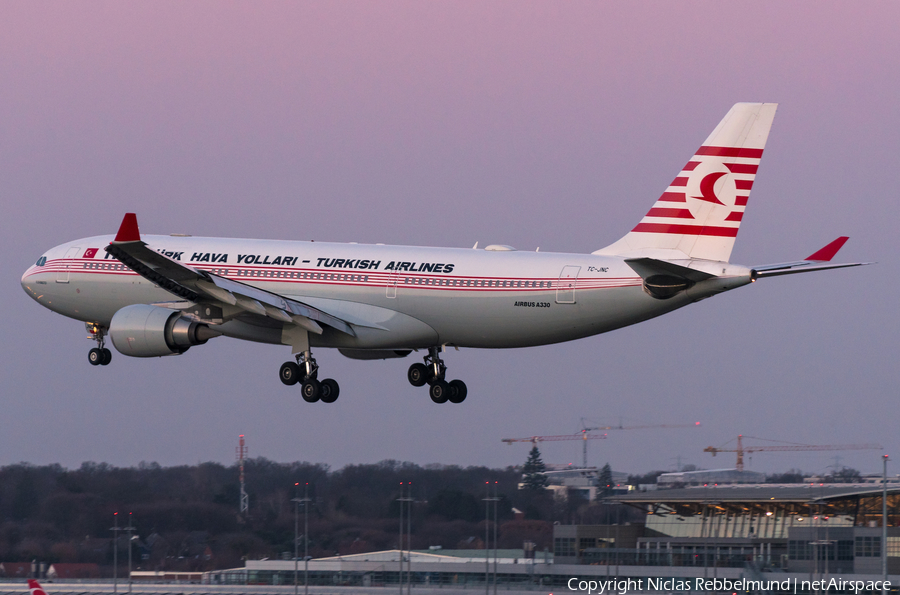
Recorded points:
817,261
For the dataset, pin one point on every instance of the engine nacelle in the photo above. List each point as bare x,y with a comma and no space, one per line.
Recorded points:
142,330
663,287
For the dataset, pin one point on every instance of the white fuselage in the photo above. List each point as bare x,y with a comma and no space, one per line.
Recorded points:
402,297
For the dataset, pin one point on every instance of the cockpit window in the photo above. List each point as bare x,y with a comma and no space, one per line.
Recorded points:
41,261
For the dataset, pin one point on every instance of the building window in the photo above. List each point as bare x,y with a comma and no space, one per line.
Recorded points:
893,547
868,547
799,550
564,546
845,549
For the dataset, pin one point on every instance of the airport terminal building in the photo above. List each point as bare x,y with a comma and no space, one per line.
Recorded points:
785,527
729,531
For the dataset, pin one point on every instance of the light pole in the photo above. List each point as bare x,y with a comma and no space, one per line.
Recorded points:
130,529
305,501
409,578
400,543
401,500
409,538
296,502
496,499
115,529
487,538
306,539
884,568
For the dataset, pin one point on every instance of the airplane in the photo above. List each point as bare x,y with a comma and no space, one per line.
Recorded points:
35,587
159,295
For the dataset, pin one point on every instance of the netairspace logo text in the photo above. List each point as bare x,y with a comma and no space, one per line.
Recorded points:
616,586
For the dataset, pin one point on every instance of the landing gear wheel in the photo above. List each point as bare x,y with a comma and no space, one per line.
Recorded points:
329,390
439,391
458,391
106,356
417,374
95,356
289,373
310,390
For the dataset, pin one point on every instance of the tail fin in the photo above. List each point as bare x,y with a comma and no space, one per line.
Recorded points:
699,214
35,587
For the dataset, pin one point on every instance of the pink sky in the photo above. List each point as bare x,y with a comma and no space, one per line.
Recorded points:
442,123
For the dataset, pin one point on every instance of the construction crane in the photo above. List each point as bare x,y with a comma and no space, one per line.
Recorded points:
585,429
579,436
584,435
740,449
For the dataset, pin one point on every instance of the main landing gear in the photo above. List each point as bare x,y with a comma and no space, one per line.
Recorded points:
99,355
306,373
432,372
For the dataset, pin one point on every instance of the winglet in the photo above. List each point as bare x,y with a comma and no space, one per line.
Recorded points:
828,252
128,231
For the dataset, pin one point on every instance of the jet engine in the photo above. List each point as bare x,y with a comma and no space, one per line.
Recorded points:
142,330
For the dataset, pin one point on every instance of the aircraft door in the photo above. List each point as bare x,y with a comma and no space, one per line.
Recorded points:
63,275
391,291
565,288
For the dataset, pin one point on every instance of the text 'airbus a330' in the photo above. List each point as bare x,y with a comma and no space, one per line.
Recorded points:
156,295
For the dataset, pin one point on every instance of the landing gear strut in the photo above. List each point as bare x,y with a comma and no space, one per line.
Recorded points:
306,373
99,355
432,372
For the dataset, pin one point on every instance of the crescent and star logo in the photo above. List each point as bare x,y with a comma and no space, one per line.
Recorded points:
711,192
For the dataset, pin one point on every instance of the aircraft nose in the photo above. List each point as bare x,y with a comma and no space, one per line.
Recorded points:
28,281
34,279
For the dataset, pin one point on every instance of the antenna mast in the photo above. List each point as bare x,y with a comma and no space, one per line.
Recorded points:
241,454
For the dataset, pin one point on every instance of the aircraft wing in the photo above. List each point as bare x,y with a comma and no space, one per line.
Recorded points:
202,286
817,261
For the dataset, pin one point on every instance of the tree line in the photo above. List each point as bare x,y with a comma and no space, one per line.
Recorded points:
186,517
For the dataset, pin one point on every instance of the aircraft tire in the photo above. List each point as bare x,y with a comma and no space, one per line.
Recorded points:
417,374
106,356
439,391
289,373
329,390
95,356
458,391
310,390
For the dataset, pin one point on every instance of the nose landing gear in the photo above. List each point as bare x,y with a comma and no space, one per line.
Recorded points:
432,372
99,355
306,372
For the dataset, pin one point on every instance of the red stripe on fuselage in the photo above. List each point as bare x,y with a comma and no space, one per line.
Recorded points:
375,280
